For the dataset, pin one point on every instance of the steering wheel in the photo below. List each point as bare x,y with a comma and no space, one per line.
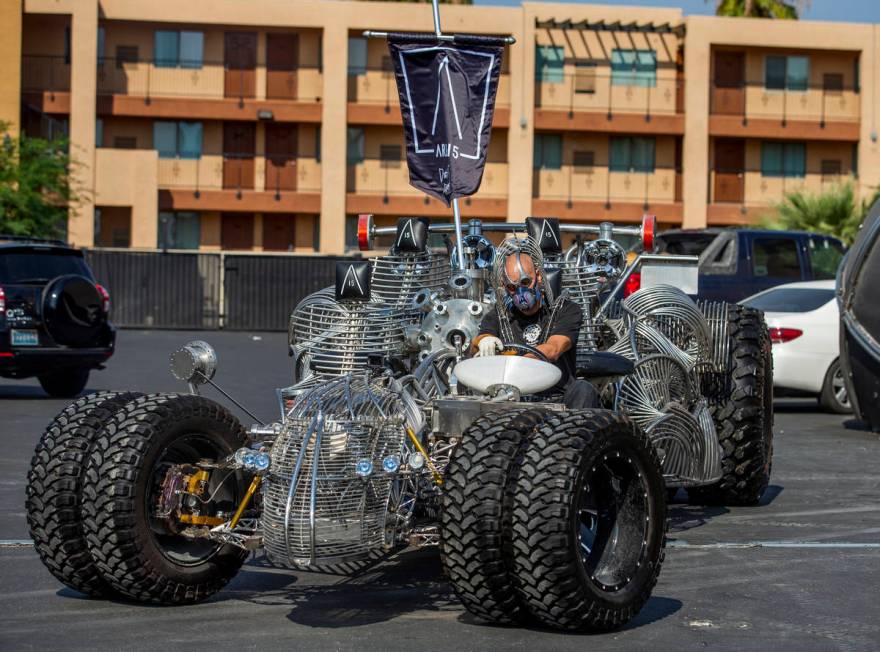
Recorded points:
524,349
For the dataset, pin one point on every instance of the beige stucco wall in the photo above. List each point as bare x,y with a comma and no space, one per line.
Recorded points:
121,175
10,64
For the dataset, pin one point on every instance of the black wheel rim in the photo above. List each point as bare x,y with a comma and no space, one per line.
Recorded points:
189,449
612,521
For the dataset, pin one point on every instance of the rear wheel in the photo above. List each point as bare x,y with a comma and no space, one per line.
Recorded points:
834,397
53,500
742,408
138,554
66,383
475,516
589,521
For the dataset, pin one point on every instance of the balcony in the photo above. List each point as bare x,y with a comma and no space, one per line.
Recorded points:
598,193
382,187
281,183
827,111
373,99
595,101
45,83
745,196
211,91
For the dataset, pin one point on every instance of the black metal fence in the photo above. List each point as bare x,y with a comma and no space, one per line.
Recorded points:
190,290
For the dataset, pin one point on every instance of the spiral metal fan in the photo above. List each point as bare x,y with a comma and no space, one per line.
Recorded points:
326,496
687,445
656,381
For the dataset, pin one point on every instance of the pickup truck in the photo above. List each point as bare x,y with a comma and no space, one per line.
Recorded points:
737,263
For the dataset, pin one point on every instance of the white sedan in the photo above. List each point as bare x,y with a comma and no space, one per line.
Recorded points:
804,322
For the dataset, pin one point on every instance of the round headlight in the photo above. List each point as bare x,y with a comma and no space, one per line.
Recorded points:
363,467
261,461
416,461
390,464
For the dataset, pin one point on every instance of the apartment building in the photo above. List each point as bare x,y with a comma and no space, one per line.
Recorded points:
269,125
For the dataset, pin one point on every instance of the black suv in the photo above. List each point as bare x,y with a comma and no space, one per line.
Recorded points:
53,315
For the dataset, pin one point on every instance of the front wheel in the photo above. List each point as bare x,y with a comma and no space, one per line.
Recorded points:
141,556
589,521
66,383
834,397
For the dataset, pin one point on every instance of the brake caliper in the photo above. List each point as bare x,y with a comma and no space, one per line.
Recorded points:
184,498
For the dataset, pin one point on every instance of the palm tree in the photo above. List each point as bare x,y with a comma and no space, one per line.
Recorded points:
760,8
834,212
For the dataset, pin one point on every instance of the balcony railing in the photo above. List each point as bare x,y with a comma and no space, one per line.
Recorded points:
604,92
750,187
377,86
210,80
816,102
39,73
275,173
374,176
599,183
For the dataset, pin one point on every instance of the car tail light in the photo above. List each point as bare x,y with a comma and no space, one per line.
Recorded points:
782,335
633,283
2,301
105,298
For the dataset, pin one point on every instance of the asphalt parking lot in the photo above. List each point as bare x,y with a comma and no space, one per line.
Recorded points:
799,572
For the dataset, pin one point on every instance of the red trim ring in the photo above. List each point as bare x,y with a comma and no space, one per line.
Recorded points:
649,228
365,224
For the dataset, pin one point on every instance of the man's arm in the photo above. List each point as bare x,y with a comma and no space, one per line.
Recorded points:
555,346
488,326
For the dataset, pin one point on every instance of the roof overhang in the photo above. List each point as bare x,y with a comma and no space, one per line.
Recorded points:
616,26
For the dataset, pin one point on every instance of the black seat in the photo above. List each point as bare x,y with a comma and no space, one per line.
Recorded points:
603,364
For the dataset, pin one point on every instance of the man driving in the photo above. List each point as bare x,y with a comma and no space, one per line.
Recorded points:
553,332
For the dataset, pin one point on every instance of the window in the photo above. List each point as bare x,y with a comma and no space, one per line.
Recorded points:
174,49
548,152
633,68
632,154
178,139
776,258
99,133
355,147
791,299
317,143
831,169
825,256
357,56
583,161
387,67
549,63
351,232
102,36
179,230
585,77
783,159
126,54
832,82
786,73
390,156
67,46
125,142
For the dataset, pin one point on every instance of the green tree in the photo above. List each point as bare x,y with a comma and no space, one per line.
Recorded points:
35,186
835,212
759,8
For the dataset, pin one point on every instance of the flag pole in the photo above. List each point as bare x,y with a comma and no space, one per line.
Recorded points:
456,211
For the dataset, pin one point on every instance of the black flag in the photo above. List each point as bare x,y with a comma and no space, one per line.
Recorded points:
447,99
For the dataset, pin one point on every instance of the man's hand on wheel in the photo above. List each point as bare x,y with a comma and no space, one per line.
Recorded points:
489,345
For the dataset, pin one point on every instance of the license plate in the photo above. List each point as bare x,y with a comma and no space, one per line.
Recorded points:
25,337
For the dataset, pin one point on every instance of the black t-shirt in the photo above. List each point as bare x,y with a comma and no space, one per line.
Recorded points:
527,330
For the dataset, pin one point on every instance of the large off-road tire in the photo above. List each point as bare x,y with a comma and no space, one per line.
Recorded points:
475,515
589,521
135,553
742,409
53,497
66,383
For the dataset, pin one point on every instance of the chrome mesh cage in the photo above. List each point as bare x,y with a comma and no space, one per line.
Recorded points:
332,338
715,314
581,283
321,504
396,278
